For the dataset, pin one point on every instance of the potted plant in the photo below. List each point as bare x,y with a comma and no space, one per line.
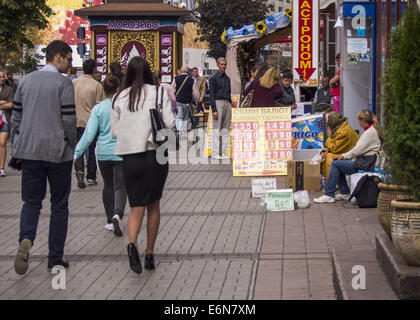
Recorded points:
402,132
388,193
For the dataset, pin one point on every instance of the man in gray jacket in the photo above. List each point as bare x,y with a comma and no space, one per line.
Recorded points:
43,139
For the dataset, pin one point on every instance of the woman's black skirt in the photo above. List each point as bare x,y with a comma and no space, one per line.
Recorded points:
144,178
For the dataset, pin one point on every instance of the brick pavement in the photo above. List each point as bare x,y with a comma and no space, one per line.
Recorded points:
214,242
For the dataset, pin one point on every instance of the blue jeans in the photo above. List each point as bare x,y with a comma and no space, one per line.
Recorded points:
181,119
338,171
34,188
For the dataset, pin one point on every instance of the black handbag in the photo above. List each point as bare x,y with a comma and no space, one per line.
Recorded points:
156,119
365,163
367,192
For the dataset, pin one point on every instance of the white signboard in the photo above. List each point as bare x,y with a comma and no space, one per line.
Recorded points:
280,200
306,42
261,186
357,45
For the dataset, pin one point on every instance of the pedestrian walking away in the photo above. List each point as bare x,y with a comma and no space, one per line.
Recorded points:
6,104
144,175
114,195
266,89
183,93
88,93
221,105
43,138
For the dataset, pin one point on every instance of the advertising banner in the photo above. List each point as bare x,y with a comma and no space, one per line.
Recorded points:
209,137
261,140
308,132
306,42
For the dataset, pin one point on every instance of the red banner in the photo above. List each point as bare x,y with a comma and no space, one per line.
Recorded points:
305,39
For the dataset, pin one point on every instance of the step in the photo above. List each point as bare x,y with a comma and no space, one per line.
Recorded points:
404,279
377,286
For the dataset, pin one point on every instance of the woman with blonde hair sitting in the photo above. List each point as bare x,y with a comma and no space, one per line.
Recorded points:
266,89
369,144
341,138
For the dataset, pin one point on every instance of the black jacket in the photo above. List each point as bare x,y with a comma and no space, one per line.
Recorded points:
219,89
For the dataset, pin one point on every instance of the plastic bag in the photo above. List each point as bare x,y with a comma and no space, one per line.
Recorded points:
354,178
302,199
316,158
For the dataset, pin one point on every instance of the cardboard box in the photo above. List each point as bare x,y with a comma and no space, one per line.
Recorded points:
303,175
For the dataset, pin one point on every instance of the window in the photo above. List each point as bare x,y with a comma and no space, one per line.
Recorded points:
280,9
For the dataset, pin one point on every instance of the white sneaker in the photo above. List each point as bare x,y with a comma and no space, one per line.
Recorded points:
116,221
344,197
109,227
2,173
225,157
216,156
324,199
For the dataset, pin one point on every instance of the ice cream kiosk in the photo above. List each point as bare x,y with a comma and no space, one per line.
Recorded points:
123,29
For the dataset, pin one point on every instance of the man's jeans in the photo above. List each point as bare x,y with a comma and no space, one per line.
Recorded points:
338,171
79,166
181,119
34,188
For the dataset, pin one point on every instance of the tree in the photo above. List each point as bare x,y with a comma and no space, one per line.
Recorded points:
401,104
218,15
17,16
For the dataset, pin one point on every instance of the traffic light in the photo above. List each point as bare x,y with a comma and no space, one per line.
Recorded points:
206,68
81,33
81,48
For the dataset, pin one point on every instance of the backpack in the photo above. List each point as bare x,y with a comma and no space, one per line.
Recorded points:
366,192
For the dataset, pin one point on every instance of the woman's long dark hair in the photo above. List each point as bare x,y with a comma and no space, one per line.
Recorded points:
138,74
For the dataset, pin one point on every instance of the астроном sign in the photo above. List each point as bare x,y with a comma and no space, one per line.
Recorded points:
306,42
133,25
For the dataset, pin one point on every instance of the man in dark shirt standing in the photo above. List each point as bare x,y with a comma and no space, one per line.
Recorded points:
183,93
221,106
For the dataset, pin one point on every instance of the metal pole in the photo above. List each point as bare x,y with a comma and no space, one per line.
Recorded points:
398,12
388,23
378,66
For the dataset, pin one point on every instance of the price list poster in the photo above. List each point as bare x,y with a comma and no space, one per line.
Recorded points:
261,141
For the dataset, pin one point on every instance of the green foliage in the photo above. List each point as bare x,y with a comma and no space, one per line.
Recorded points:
216,15
402,104
30,63
16,18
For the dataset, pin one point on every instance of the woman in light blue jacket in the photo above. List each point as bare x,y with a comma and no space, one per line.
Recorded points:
114,194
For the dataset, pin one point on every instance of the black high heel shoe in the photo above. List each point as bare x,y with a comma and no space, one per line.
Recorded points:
133,257
149,261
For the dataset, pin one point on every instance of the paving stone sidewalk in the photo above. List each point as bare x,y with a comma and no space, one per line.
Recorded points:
214,242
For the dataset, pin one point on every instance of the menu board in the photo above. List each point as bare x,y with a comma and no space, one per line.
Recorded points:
101,54
166,57
261,141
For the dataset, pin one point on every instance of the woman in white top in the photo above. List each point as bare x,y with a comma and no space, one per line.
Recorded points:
144,176
369,144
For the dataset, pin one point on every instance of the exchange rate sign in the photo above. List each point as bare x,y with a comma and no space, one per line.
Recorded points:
306,42
261,140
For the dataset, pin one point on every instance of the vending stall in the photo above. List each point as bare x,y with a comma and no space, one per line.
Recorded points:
122,29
